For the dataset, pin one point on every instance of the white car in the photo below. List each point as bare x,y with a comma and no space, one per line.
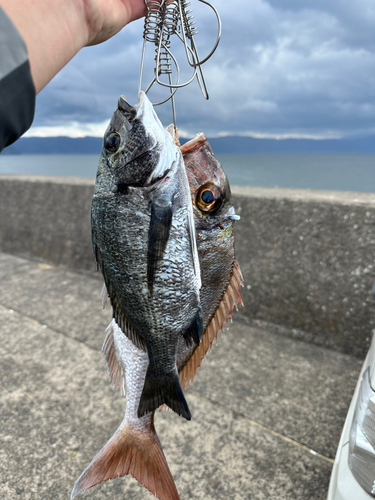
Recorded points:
353,473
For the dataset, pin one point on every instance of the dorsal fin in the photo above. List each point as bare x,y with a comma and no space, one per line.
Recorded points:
230,299
104,296
114,366
117,312
124,324
130,451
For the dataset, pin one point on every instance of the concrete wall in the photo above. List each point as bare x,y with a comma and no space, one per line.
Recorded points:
47,218
307,256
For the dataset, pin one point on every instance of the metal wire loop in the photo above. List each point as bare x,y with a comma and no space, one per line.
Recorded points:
189,25
171,19
163,20
153,20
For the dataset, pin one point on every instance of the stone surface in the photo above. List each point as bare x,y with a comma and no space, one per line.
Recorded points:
47,218
308,263
297,389
260,402
57,410
306,255
65,301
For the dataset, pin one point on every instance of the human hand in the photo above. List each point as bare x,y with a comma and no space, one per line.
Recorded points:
105,18
55,30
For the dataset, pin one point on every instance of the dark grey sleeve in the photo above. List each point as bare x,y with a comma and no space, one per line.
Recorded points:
17,92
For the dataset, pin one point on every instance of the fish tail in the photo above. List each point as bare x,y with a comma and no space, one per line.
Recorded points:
160,390
130,451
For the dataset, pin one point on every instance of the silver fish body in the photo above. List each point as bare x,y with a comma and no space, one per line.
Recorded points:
144,240
134,448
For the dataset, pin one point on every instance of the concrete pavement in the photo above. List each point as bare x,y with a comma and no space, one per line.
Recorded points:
267,409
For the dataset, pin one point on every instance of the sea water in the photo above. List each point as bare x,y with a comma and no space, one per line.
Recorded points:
346,172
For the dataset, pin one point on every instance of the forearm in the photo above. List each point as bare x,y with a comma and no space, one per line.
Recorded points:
55,30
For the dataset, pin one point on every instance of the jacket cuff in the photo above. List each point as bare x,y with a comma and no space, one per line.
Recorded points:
17,91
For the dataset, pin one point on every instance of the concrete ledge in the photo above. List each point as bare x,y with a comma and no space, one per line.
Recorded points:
308,262
318,195
307,256
47,218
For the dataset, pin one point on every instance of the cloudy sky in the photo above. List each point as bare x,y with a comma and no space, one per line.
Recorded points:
283,68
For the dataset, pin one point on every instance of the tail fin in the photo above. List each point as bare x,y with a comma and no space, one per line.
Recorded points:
131,452
160,390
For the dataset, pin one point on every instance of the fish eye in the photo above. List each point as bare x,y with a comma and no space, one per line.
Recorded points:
112,142
207,196
209,199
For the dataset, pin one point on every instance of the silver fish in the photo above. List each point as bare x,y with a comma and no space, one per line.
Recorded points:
145,244
135,448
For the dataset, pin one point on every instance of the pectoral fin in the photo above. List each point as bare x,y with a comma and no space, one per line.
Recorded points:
160,225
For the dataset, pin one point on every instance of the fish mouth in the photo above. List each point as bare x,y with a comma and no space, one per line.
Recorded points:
232,214
145,111
142,111
151,159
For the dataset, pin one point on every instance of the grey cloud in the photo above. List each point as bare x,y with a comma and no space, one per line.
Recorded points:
282,67
356,20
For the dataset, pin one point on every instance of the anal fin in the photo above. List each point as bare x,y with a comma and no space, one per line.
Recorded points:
195,331
131,452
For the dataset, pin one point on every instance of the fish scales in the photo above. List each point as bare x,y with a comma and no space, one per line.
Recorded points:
214,224
136,437
138,228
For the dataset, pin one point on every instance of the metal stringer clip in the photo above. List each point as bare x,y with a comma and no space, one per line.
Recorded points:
165,18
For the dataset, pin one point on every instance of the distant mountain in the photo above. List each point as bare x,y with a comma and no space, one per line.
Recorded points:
11,150
221,145
241,145
56,145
